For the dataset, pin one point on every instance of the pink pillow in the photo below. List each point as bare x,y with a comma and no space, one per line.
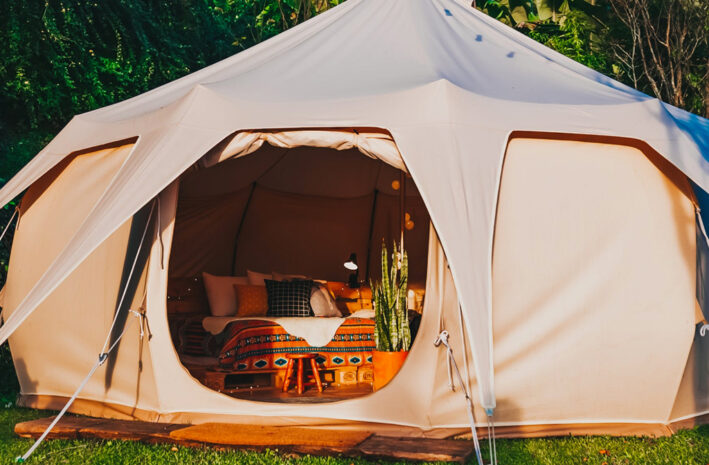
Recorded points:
287,277
221,294
257,279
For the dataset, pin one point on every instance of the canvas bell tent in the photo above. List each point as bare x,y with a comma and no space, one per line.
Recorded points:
557,235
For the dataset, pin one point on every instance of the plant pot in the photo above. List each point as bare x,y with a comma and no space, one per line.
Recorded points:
386,366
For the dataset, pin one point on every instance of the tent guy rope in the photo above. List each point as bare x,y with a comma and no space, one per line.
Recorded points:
443,339
700,221
106,349
698,212
7,226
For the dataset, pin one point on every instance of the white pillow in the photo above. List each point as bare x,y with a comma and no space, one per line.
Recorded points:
257,279
322,303
220,293
287,277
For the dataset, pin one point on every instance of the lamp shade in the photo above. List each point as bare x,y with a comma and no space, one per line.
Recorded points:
351,263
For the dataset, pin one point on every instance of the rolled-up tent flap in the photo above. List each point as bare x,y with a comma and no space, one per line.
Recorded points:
372,143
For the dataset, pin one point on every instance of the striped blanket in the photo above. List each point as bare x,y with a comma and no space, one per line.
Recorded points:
263,345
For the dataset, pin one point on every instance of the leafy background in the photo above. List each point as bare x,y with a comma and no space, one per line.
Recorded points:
60,58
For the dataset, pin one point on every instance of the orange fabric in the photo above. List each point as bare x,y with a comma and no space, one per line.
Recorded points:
251,300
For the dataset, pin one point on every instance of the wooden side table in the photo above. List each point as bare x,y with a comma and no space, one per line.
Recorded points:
299,374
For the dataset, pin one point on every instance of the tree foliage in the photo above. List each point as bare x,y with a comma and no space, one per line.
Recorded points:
660,47
663,48
64,57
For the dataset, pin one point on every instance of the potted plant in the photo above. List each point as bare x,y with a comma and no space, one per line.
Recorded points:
391,333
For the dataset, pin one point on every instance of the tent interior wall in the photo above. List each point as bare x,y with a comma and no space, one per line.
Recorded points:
299,210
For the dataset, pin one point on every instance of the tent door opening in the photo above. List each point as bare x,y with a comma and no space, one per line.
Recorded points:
246,225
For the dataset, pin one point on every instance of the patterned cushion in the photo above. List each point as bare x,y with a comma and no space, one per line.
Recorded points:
289,298
251,300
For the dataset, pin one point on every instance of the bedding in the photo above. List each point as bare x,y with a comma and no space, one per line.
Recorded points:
322,302
220,293
316,331
250,300
289,298
257,344
256,278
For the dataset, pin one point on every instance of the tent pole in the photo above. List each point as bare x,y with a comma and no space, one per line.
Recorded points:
371,232
241,225
402,209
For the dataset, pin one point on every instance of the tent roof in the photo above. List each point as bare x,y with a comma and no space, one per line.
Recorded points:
371,48
367,49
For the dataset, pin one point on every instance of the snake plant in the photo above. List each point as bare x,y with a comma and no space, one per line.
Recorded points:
392,333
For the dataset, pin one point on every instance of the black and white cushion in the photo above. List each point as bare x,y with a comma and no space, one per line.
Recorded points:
289,298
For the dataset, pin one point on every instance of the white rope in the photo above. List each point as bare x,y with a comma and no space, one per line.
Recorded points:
100,361
451,381
105,350
700,221
2,235
7,226
159,234
141,323
443,339
465,351
703,329
130,276
492,445
491,442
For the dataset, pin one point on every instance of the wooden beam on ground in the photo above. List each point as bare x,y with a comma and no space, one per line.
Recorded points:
302,440
96,428
418,449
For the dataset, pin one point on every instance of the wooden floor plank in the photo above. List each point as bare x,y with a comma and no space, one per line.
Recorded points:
302,440
292,438
419,449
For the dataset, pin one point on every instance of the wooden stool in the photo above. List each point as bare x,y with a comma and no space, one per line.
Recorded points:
289,371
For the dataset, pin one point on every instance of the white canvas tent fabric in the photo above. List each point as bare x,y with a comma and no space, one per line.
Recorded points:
449,84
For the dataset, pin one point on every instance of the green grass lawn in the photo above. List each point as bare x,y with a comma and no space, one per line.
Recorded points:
687,447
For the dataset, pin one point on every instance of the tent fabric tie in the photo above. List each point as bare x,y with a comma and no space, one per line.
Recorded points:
105,350
443,339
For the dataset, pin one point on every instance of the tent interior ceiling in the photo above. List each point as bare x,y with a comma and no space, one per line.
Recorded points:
299,210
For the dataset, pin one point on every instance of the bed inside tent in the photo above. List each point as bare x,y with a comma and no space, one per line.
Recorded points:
274,217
